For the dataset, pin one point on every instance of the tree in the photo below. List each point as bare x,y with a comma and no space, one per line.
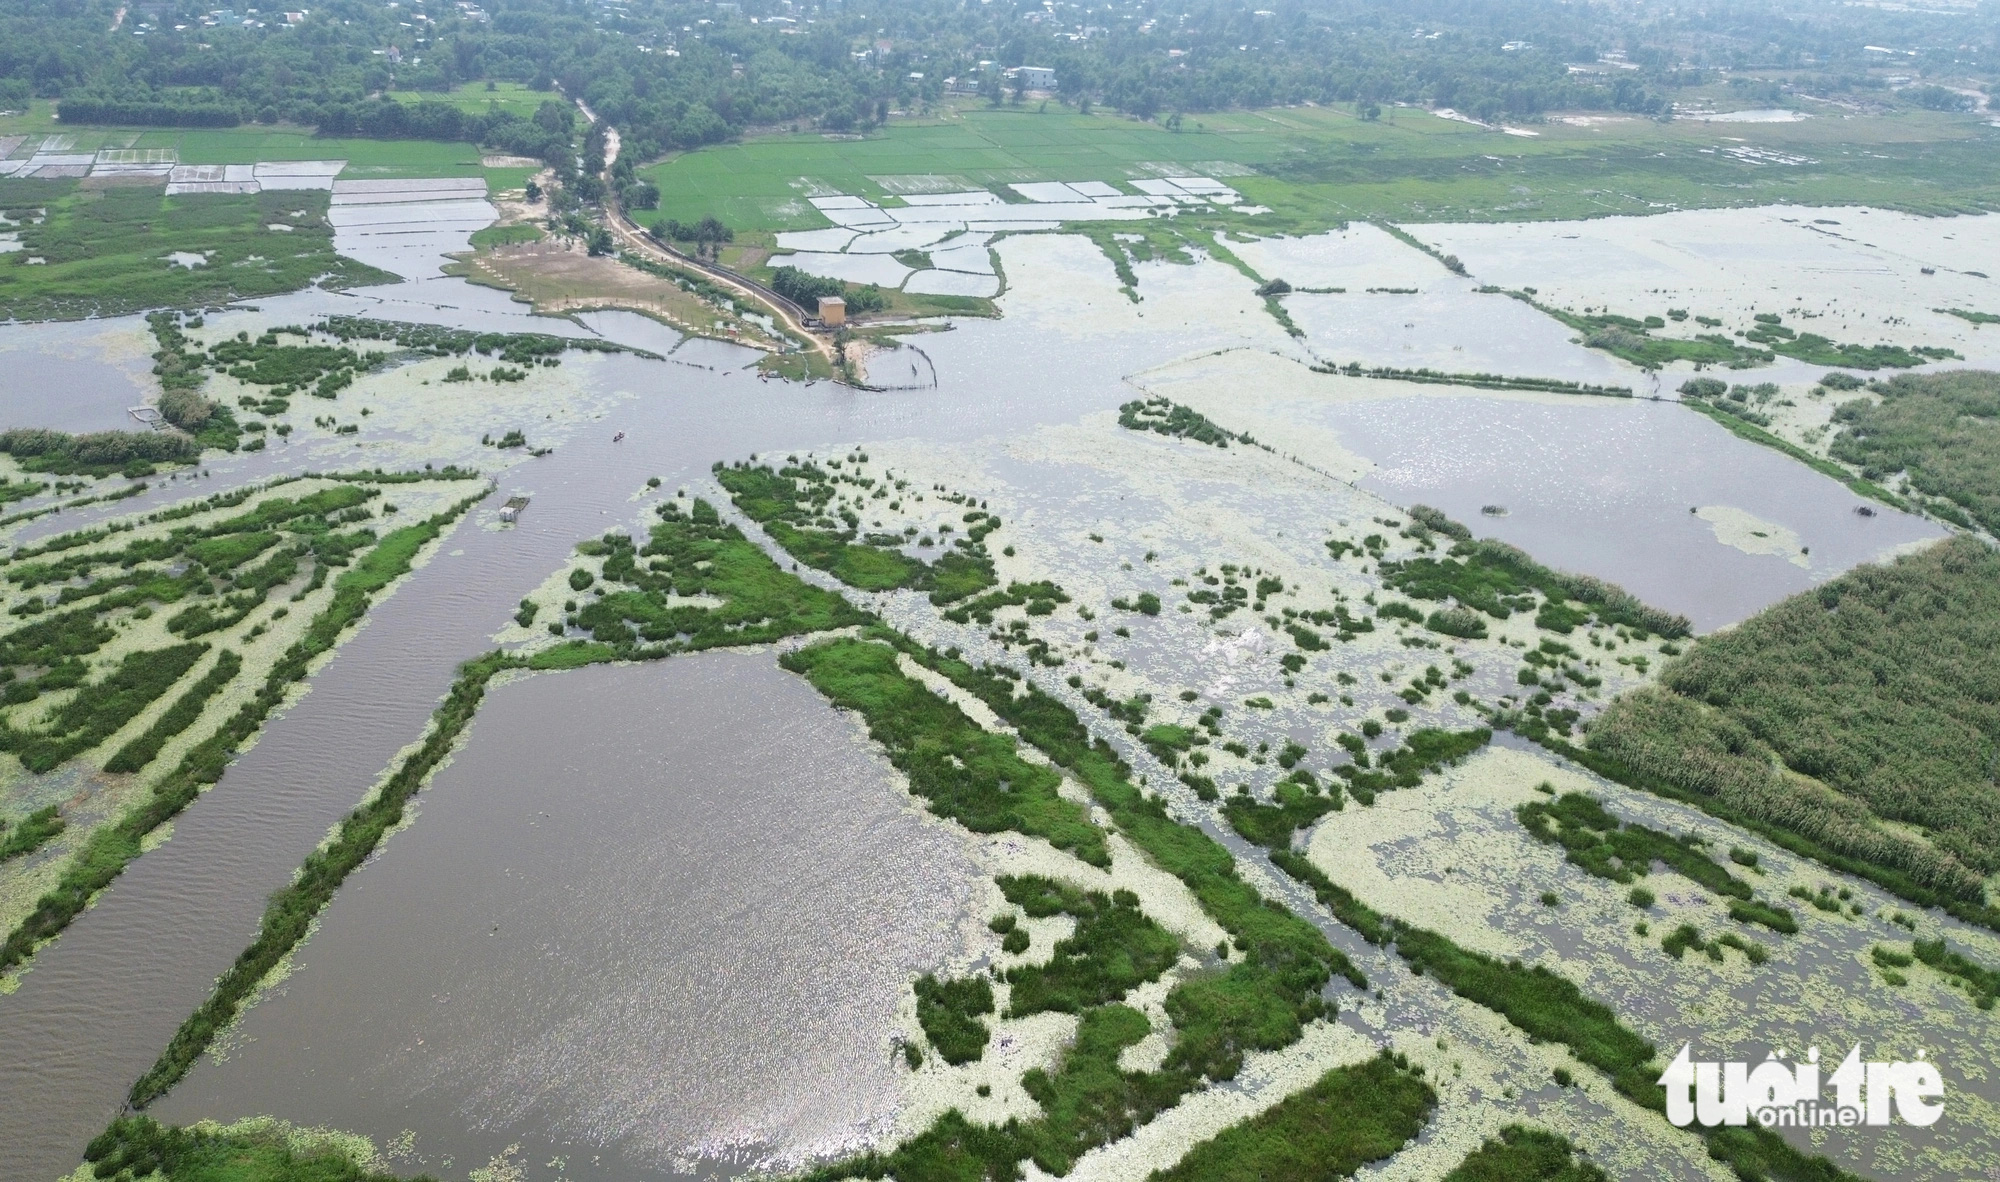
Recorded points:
640,195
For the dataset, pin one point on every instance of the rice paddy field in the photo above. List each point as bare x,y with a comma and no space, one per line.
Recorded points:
251,144
77,246
1317,166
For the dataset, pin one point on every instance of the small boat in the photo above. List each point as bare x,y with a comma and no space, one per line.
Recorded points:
618,438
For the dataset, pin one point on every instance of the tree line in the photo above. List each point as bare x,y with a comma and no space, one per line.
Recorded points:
677,74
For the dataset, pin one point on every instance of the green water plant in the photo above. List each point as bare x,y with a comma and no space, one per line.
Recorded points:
1524,1154
1348,1117
950,1011
32,832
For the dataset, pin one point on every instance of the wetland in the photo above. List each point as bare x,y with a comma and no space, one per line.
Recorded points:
1186,759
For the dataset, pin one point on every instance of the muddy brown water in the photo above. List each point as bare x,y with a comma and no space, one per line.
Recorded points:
648,913
1606,485
100,1002
76,377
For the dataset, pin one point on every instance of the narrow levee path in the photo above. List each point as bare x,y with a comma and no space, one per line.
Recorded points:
639,242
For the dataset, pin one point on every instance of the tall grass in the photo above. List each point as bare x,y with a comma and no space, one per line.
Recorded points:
963,771
1523,1154
1622,852
1115,947
136,754
1349,1117
140,1147
98,710
1871,698
950,1012
31,833
1940,430
789,513
1498,579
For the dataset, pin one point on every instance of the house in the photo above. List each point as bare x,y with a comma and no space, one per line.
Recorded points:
1034,77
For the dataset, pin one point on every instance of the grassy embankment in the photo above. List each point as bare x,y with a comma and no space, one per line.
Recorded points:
1834,720
140,1147
1631,339
1481,381
230,567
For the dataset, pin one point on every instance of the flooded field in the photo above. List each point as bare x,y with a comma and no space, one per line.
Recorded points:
1850,274
1663,502
85,1027
660,918
1609,488
649,914
76,377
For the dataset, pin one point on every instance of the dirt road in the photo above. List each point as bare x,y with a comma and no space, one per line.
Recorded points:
632,238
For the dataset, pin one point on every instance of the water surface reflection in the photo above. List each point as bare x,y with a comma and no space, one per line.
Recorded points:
647,910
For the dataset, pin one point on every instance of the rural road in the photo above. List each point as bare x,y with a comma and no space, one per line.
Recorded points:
641,243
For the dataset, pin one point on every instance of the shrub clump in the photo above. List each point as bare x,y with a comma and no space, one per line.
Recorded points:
1522,1154
1940,430
950,1011
1349,1117
98,453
